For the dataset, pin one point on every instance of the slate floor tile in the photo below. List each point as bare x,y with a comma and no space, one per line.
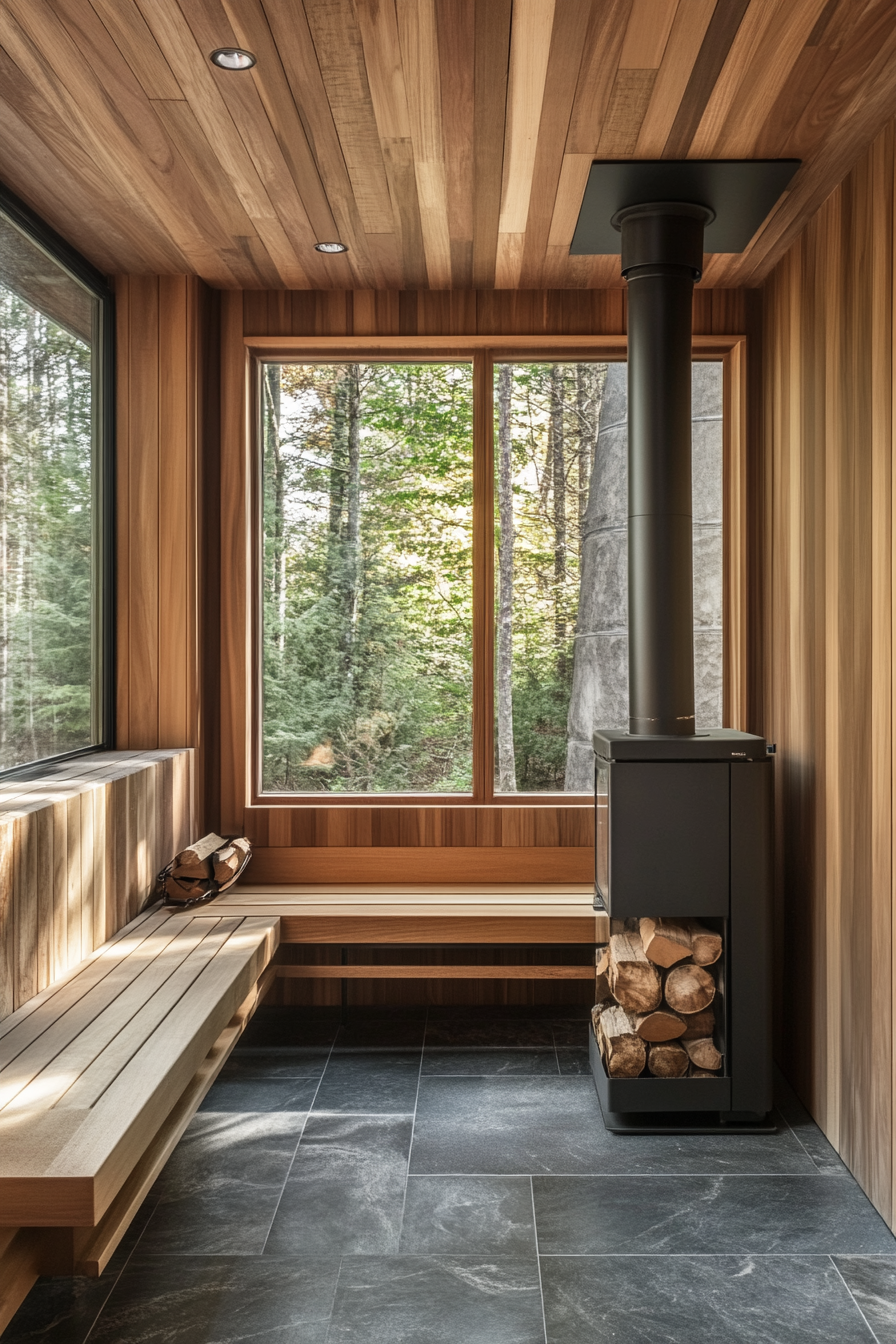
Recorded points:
219,1191
489,1061
413,1299
283,1062
371,1082
497,1032
804,1127
572,1061
58,1311
381,1029
535,1125
708,1215
326,1215
220,1300
698,1300
349,1147
278,1028
872,1282
261,1094
468,1215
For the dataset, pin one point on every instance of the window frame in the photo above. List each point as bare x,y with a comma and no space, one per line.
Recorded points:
62,254
241,685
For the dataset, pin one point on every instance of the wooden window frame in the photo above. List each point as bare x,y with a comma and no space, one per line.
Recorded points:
241,466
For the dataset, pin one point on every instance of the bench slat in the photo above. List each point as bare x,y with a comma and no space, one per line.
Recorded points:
106,955
19,1066
102,1071
140,1000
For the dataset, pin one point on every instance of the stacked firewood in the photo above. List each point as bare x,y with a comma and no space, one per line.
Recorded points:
210,859
654,1009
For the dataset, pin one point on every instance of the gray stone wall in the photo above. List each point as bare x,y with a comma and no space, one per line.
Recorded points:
600,669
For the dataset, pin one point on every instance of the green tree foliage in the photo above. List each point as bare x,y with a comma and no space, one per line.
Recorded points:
367,582
553,418
46,532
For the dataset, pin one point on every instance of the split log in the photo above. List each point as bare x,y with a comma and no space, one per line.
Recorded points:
694,1072
635,982
699,1025
689,989
198,852
596,1013
666,941
662,1025
703,1054
602,990
183,889
623,1050
706,946
666,1059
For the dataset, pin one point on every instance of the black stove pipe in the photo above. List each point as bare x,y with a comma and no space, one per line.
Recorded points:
662,256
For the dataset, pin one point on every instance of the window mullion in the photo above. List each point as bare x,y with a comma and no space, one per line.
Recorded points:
483,578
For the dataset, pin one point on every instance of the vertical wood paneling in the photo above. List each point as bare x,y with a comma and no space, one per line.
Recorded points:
162,390
72,870
824,622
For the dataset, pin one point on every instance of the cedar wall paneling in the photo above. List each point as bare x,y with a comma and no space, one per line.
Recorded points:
163,371
824,653
79,850
390,843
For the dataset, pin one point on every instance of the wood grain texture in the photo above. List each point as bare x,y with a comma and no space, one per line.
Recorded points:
68,841
436,138
823,622
471,863
161,406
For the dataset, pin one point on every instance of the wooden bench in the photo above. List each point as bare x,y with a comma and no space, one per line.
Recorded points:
521,914
101,1073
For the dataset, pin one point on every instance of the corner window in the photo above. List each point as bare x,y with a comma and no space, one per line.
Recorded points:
55,593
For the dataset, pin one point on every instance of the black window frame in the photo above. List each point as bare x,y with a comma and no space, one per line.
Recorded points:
43,236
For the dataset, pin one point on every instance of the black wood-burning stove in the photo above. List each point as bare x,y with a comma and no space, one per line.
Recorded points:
684,819
684,829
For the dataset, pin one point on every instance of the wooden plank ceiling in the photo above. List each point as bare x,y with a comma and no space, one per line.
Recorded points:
447,142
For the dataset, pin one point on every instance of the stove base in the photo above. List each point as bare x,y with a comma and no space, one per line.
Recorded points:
667,1105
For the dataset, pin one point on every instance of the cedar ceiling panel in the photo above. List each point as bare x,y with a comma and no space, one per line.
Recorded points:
446,142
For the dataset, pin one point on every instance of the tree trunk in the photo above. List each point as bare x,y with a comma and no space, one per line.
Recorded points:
584,692
271,378
504,670
558,477
352,557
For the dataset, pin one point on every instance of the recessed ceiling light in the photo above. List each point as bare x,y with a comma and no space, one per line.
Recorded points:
330,247
232,58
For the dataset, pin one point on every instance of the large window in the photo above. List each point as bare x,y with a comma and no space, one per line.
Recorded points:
430,627
54,593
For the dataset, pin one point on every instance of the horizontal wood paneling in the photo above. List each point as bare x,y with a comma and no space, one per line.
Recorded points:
547,312
447,143
823,632
79,851
409,863
433,827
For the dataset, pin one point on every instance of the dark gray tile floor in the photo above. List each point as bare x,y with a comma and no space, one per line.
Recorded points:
446,1178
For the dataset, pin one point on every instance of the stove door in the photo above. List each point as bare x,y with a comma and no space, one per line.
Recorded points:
669,838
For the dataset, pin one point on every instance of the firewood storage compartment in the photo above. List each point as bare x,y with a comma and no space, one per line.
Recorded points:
683,831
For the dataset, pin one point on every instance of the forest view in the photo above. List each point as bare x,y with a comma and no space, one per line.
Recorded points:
367,575
367,611
546,424
46,527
